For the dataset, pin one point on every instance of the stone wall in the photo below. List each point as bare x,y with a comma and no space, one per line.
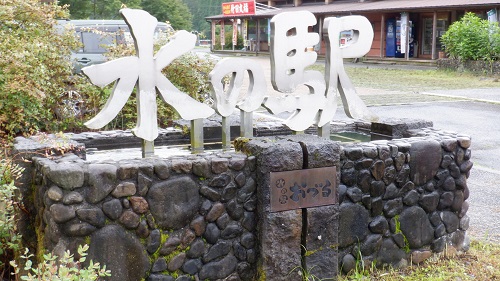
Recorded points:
402,200
480,67
207,216
154,218
295,240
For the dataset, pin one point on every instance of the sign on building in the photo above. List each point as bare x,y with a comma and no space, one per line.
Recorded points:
238,8
235,33
404,32
222,34
244,31
492,15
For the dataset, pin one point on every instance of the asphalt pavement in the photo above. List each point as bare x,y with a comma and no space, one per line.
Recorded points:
480,120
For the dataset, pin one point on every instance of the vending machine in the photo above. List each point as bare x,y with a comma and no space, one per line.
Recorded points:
390,38
393,39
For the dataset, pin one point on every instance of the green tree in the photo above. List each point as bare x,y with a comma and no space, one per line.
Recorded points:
97,9
34,65
173,11
79,9
472,38
201,10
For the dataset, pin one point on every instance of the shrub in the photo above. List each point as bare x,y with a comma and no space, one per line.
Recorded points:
34,65
472,38
50,268
37,88
9,237
228,41
64,269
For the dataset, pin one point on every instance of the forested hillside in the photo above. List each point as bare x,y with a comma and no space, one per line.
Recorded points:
182,14
201,9
174,11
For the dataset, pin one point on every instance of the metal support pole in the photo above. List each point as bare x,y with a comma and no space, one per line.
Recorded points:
324,131
382,36
407,32
407,55
434,37
257,43
226,133
196,134
246,124
320,22
148,149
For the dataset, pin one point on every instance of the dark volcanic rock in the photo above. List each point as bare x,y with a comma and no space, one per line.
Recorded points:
353,219
393,207
102,178
425,160
174,202
93,216
390,253
220,249
112,208
125,256
197,249
371,245
62,213
212,233
429,202
154,241
192,266
450,220
210,193
67,176
218,269
379,225
416,227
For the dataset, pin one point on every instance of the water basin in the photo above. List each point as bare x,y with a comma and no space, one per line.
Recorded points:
350,137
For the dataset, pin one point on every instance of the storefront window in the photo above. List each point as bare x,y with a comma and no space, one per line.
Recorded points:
252,30
442,25
264,30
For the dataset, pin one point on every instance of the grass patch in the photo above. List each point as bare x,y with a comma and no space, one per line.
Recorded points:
415,80
481,262
418,80
401,98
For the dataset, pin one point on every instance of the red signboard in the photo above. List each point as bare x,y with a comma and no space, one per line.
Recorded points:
238,8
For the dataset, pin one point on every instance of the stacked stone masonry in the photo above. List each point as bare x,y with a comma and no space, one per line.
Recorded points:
478,66
206,216
402,200
159,219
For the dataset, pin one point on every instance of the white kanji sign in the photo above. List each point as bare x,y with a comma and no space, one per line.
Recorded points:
145,71
290,56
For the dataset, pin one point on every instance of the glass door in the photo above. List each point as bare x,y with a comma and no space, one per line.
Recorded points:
441,27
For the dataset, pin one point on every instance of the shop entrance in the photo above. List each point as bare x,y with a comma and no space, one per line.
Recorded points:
441,27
